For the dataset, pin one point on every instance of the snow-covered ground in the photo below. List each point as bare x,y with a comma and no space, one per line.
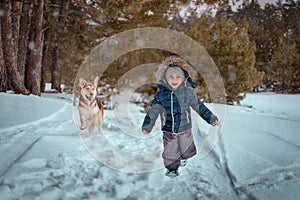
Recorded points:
44,156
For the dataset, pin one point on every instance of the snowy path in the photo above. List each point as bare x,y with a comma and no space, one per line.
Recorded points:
264,153
258,158
18,140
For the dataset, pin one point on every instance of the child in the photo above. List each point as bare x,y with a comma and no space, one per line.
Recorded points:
172,102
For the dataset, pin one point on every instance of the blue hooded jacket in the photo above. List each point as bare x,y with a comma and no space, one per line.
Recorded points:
173,106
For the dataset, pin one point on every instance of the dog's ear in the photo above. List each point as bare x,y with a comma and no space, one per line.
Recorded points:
82,82
96,82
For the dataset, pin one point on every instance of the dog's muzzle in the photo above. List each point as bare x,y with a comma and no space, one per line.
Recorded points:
89,97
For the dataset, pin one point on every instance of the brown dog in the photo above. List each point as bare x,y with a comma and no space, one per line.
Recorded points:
90,108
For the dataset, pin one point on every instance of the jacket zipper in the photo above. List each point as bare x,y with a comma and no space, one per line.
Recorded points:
172,110
187,116
163,119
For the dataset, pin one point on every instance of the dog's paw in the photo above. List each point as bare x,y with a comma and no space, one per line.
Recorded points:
91,130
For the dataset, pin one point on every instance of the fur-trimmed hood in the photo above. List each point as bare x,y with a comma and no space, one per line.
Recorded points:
175,61
189,71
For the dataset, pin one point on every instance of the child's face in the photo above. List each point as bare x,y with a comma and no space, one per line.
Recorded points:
174,80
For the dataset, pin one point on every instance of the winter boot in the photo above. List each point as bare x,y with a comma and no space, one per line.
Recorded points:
172,173
183,162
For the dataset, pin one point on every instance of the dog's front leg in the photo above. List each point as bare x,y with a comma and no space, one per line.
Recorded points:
93,124
82,123
97,118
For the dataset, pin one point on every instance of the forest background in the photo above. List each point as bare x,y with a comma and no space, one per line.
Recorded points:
255,48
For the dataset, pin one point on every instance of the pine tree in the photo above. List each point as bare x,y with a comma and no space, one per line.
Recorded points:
291,10
36,38
284,70
229,46
3,79
9,49
25,24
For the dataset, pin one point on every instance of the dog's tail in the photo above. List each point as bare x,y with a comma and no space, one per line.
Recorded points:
100,103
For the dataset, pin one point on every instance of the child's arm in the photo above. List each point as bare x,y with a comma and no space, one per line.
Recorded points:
202,110
152,115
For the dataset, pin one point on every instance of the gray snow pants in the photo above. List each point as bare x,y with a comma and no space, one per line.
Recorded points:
176,147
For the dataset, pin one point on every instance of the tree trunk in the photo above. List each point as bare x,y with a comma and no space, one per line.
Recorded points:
10,57
56,50
36,38
3,84
44,60
46,48
16,13
25,23
55,72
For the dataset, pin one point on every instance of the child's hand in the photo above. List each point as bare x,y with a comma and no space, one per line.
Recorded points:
146,132
215,123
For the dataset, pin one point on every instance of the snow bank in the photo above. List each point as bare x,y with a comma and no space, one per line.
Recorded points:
20,109
280,105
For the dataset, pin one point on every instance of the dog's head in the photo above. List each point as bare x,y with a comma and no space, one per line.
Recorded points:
88,89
